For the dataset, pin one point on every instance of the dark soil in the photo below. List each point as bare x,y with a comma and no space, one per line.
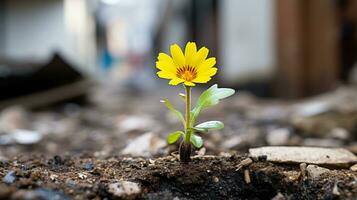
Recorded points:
206,177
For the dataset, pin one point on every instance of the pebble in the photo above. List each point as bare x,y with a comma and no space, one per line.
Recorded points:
247,139
353,167
339,133
88,166
125,189
20,136
314,171
146,145
337,157
9,178
278,136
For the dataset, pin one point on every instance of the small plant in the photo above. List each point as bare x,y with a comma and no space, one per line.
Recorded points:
190,68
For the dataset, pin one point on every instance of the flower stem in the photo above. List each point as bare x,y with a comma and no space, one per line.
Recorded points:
188,113
185,147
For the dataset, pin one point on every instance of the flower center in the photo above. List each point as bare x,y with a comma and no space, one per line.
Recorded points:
186,73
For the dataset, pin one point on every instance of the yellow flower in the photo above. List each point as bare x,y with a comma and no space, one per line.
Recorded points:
189,68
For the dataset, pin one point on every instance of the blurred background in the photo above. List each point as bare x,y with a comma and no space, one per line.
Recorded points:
55,55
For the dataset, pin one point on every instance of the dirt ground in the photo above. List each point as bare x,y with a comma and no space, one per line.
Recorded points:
207,177
82,151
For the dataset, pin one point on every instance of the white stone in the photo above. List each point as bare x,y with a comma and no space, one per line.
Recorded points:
125,189
314,171
146,145
310,155
278,136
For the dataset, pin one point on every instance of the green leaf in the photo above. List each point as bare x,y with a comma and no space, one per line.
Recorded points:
210,125
196,141
174,136
172,109
210,97
201,130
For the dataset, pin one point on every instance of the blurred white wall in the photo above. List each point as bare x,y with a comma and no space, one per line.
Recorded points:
246,40
35,29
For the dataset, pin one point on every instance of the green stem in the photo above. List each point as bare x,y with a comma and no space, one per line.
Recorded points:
188,114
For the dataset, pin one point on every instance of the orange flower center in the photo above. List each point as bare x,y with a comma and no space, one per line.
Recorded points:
186,73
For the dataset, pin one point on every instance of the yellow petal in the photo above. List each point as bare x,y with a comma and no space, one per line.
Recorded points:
165,66
177,55
165,62
187,83
165,74
190,52
200,56
202,79
210,72
206,65
176,81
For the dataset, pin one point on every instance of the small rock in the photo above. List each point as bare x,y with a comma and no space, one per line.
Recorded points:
339,133
322,142
215,179
146,145
71,183
20,136
125,189
12,118
314,171
311,155
9,178
201,152
133,123
278,136
251,137
303,169
335,190
88,166
279,196
353,167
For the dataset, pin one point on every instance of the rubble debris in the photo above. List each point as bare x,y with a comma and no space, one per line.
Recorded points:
125,189
244,163
314,171
146,145
247,176
310,155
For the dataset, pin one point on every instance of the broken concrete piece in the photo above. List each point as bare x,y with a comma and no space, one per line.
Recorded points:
314,171
146,145
125,189
311,155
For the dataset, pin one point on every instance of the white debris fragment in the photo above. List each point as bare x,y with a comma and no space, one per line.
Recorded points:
310,155
125,189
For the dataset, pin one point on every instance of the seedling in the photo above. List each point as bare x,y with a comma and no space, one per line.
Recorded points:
190,68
